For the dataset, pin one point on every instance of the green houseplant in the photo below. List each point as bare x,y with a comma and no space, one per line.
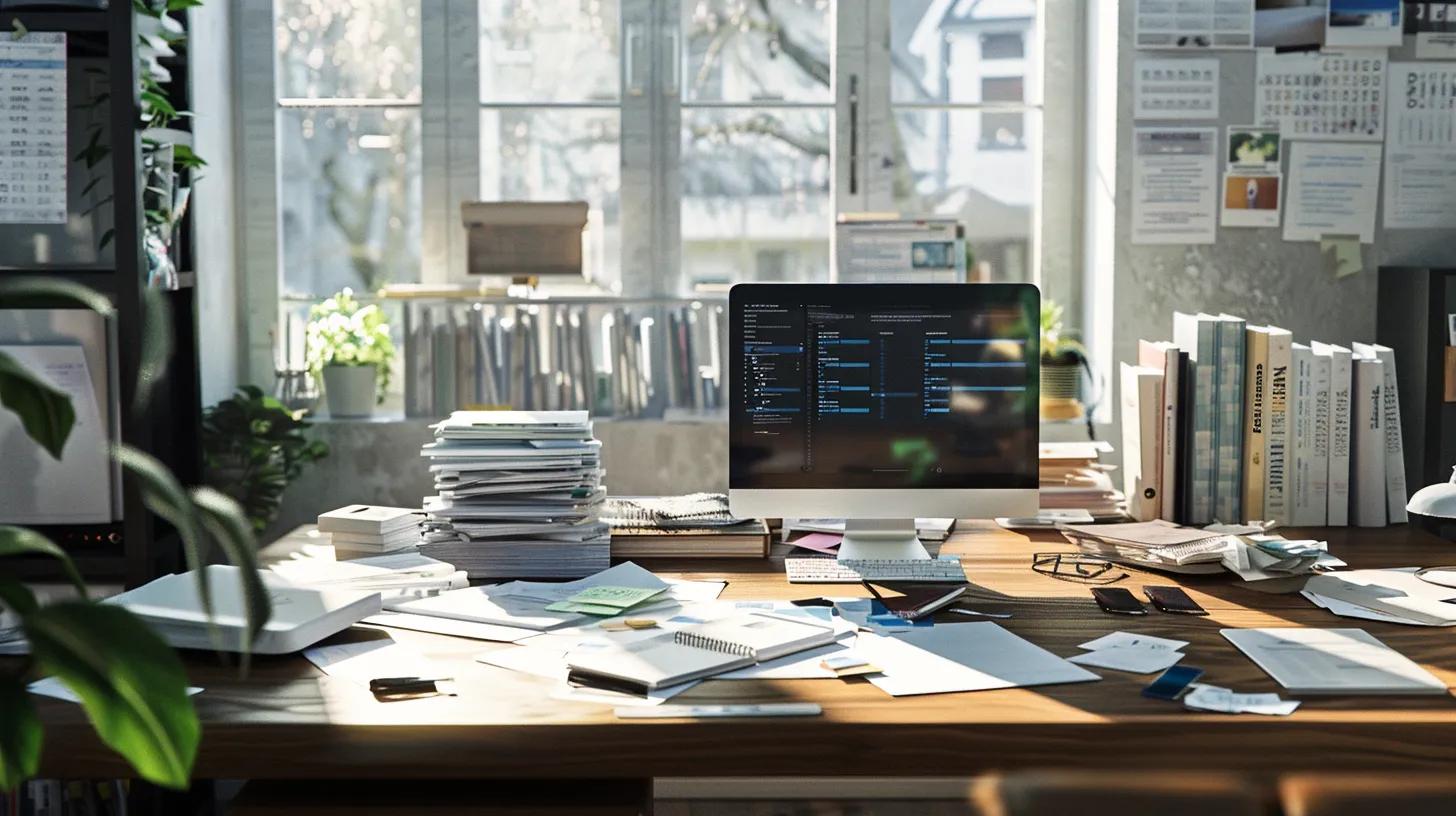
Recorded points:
130,683
253,447
348,346
1063,357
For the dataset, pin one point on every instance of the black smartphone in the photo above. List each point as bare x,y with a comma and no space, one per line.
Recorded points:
1173,599
1118,601
1172,683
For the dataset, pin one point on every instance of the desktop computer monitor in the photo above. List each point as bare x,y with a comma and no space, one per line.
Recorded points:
880,403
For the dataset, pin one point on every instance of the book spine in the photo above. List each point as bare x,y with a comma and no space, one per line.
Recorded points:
1256,392
1301,460
1339,478
1132,434
1168,484
1205,374
1150,397
1320,448
1228,491
1395,487
1276,444
1367,463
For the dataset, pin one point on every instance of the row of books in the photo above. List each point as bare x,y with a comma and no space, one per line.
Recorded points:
1232,423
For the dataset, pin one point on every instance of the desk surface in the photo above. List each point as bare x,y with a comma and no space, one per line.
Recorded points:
286,719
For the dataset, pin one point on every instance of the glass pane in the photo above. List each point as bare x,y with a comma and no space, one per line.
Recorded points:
549,50
755,196
756,50
349,196
348,48
941,52
947,169
560,155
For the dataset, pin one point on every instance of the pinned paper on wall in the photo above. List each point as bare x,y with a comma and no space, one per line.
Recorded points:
1342,255
1250,200
1332,190
1420,160
1168,24
1322,95
1363,23
1174,176
1175,89
33,130
1434,24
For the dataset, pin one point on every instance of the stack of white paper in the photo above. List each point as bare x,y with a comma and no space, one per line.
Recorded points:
519,494
364,529
397,576
1385,595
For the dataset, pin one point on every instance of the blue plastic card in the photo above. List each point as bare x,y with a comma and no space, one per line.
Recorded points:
1172,683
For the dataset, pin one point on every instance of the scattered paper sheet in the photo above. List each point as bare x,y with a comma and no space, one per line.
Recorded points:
962,657
819,542
1175,88
371,659
1420,159
53,687
448,626
1202,697
1322,94
584,694
1168,24
1174,176
1135,659
1332,190
799,666
1118,640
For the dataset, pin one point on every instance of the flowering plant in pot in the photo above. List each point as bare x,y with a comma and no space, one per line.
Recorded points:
348,346
1063,358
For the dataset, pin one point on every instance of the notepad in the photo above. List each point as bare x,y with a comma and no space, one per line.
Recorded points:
696,652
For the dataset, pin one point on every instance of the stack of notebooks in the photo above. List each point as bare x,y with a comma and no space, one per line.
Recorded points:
362,530
693,526
1233,423
1072,478
519,495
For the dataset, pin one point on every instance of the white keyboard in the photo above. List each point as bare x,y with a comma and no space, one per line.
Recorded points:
832,571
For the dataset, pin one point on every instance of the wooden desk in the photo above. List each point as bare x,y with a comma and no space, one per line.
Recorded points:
286,720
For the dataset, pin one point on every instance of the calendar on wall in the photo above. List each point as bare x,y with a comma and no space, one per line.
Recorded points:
33,128
1323,94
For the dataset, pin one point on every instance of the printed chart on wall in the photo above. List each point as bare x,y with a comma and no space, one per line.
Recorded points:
33,129
1175,89
1434,26
1174,180
1322,95
1420,158
1194,24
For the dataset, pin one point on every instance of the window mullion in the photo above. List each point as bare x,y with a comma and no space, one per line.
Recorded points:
261,261
638,131
667,148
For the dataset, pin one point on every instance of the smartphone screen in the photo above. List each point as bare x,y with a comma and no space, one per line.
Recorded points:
1173,599
1171,684
1118,601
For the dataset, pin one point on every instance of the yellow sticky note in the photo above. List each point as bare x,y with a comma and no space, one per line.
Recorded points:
1342,255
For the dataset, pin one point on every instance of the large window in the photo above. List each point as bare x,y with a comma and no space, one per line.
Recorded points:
714,140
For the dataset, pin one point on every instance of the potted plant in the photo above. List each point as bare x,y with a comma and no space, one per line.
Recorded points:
1063,358
253,447
348,346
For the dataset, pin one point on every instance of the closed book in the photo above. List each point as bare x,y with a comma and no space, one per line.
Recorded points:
747,540
1337,506
1301,459
1182,511
1367,460
1277,439
1228,493
1395,487
1166,356
1256,420
1196,334
1319,472
1142,403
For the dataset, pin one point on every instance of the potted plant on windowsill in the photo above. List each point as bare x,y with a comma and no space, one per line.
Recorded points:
348,346
253,448
1063,358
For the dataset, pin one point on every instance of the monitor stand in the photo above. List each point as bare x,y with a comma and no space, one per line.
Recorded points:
880,540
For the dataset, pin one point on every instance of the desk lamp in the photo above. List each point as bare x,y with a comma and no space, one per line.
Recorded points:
1436,506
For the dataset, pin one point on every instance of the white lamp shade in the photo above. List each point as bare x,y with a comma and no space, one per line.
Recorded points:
1436,501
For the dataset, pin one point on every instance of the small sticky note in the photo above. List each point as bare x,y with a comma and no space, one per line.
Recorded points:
614,596
1342,254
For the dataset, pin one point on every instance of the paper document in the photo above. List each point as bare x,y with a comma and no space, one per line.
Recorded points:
1202,697
1332,191
368,660
1175,88
1333,661
1135,659
1131,640
53,687
1322,94
447,626
962,657
1200,24
33,163
1174,181
1420,157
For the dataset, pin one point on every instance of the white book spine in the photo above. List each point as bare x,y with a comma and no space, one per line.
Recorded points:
1167,496
1340,407
1301,461
1276,441
1320,469
1367,465
1141,424
1395,487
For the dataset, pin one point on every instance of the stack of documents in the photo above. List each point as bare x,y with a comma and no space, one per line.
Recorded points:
397,576
1386,595
1070,477
519,494
362,529
1246,551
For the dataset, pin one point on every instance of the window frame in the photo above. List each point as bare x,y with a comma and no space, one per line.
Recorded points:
450,108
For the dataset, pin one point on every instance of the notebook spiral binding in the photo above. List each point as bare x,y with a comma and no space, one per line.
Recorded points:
712,644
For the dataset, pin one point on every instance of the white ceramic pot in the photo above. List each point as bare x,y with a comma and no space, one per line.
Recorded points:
349,390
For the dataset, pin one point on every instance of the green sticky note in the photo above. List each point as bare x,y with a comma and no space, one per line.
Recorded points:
585,609
614,596
1342,254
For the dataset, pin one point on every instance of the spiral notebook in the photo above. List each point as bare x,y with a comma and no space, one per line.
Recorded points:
696,652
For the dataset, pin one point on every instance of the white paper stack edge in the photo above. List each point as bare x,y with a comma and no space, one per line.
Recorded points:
361,529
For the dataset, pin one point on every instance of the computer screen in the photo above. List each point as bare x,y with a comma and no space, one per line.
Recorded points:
883,386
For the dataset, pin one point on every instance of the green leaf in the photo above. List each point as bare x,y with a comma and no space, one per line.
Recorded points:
20,541
106,238
131,683
45,412
20,734
163,495
156,345
225,522
182,5
16,596
15,291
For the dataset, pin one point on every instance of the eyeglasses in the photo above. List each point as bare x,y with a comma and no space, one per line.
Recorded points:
1076,567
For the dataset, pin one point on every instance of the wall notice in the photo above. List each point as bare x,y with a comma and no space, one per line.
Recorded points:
1420,152
1174,185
